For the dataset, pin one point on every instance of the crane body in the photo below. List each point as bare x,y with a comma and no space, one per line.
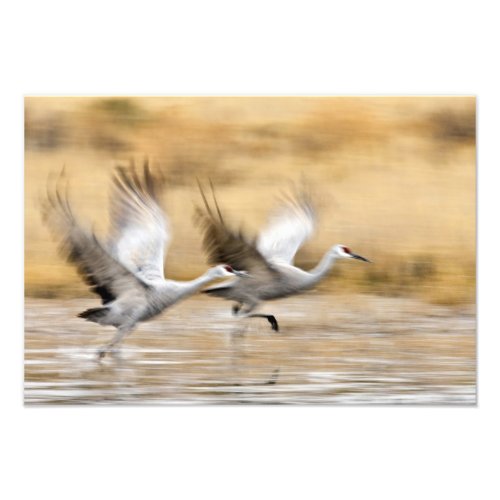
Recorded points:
267,260
127,271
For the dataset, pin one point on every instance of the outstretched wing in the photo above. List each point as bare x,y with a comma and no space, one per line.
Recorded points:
291,225
139,228
226,246
104,274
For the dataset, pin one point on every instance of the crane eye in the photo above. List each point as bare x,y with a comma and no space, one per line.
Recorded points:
346,250
229,269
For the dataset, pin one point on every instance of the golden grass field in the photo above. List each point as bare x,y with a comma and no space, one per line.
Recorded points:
393,178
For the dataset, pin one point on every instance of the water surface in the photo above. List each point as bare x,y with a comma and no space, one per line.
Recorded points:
330,350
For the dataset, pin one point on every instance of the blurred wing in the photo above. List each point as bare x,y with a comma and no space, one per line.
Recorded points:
104,274
225,246
288,229
139,228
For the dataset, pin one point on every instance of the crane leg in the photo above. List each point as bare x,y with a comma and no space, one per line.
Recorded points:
112,346
245,312
269,317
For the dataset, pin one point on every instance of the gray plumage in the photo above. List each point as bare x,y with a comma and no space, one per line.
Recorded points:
267,259
127,271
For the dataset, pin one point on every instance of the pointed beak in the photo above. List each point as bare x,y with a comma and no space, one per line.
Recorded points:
354,256
241,274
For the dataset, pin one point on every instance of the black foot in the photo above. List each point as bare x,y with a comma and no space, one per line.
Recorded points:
274,323
269,317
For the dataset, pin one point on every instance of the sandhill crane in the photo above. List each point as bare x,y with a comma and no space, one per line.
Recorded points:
267,260
127,272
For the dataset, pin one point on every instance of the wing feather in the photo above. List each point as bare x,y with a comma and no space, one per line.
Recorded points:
139,228
224,245
105,276
288,228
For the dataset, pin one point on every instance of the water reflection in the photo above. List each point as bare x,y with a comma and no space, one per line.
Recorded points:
397,352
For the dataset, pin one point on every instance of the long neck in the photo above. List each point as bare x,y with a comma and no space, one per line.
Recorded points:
189,287
171,291
323,267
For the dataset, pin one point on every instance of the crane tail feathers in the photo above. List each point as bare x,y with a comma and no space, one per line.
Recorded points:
95,314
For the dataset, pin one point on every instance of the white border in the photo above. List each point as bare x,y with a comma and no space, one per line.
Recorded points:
259,47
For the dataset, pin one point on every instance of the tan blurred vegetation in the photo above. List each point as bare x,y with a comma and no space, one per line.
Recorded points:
393,178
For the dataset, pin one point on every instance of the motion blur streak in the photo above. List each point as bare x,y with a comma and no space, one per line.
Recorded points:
392,177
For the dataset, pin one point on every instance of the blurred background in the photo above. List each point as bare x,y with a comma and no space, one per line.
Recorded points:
392,177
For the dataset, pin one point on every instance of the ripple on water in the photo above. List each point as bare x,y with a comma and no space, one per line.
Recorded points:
404,353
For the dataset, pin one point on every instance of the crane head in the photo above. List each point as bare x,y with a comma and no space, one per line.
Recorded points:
225,270
345,253
231,270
